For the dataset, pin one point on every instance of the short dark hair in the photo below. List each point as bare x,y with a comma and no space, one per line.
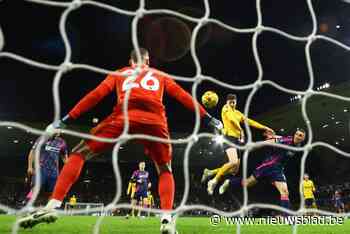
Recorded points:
231,96
133,54
301,130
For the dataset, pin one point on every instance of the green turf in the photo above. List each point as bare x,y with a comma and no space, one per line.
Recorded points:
116,225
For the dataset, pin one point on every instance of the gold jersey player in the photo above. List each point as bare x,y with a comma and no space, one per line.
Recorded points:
308,189
232,120
146,115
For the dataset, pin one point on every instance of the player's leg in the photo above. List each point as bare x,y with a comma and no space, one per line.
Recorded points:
232,164
139,206
109,128
308,204
133,206
160,153
145,203
284,193
166,191
237,182
71,170
207,173
149,205
314,206
50,183
342,207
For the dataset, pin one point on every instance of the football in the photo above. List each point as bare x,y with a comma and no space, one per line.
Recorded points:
210,99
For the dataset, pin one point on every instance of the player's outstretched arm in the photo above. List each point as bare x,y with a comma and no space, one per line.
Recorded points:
85,104
258,125
93,97
30,169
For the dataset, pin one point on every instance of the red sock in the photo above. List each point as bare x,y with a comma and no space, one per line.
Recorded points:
166,189
69,174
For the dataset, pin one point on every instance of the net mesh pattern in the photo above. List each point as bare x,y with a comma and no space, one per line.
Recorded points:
66,65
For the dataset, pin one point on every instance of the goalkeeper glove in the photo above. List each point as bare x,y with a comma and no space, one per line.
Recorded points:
213,123
59,124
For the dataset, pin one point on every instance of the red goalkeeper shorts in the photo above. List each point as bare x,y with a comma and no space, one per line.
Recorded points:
112,127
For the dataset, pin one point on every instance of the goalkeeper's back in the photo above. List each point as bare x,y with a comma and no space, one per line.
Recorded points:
146,97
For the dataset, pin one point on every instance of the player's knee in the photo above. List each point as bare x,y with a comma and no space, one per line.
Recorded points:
164,168
83,149
285,192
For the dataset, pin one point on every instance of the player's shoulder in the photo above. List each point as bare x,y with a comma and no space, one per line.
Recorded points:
122,72
159,73
237,112
60,139
134,172
225,108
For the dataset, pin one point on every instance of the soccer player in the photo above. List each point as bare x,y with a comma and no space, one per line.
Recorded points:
141,178
272,168
131,192
150,201
308,189
338,202
72,203
50,153
232,120
146,115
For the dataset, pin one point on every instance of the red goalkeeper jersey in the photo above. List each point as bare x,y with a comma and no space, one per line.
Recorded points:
146,98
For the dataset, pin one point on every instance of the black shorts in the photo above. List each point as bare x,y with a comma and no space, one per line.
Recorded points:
235,141
309,202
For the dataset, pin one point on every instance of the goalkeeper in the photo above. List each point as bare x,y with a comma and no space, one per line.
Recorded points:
232,119
146,115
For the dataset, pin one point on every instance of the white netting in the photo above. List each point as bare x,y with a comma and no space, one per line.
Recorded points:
66,65
84,208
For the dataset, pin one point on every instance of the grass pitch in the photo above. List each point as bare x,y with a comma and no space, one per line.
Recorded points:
185,225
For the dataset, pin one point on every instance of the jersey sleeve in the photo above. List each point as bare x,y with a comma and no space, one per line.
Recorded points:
94,97
64,148
175,91
134,177
313,186
253,123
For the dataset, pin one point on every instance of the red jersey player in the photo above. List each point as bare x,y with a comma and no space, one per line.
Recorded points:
146,114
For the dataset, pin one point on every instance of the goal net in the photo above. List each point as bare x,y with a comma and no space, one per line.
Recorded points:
84,208
67,65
